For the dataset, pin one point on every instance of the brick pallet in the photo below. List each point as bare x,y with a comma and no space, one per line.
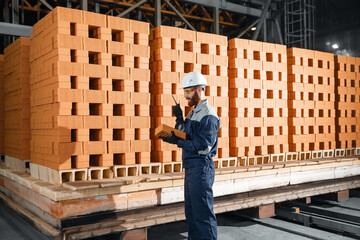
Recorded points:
16,97
90,97
175,52
258,98
311,100
2,100
90,80
347,101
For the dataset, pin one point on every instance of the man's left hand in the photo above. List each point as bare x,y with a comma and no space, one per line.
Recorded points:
173,139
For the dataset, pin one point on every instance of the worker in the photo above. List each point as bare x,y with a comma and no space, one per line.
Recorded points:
201,127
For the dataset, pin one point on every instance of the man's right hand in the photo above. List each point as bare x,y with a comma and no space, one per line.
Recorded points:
178,113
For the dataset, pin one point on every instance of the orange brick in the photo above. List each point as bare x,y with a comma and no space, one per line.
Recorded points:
94,122
118,48
94,147
94,19
204,37
166,31
119,121
94,96
118,97
68,15
94,45
140,146
90,70
140,122
139,27
118,23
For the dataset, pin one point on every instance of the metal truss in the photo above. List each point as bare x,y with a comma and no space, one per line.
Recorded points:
300,23
226,17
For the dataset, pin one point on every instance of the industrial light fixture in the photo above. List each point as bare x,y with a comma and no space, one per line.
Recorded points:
253,28
335,46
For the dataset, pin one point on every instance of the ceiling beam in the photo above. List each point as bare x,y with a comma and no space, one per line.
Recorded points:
15,29
228,6
261,20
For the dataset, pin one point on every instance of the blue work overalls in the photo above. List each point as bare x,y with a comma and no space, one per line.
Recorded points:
201,126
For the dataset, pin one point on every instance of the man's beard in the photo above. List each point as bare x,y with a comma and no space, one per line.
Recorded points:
194,100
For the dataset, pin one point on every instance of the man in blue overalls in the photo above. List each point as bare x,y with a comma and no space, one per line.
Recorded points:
201,127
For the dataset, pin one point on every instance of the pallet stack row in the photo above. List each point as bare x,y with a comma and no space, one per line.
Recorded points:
175,52
347,101
258,98
2,100
90,91
311,87
17,103
92,94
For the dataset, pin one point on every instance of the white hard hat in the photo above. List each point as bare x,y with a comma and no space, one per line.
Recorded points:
193,79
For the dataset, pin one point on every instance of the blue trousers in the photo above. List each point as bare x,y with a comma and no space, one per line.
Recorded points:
199,200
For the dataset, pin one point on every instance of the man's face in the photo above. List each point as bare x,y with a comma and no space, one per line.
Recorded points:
192,95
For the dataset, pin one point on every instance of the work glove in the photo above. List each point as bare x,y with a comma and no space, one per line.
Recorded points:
173,139
178,113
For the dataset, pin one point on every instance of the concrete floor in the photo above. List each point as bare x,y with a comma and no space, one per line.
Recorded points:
230,227
13,227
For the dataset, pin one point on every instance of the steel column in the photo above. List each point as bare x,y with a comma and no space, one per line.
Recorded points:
216,20
279,31
261,20
68,3
84,5
6,19
15,11
22,11
96,7
6,11
157,13
264,31
38,10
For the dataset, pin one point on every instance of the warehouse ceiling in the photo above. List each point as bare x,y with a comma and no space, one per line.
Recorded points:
331,15
201,16
334,15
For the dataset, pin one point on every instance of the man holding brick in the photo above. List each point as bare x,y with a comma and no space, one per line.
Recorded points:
201,127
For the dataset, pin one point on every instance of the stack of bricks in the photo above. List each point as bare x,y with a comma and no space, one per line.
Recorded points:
175,52
311,87
258,98
90,91
130,96
2,112
17,104
347,101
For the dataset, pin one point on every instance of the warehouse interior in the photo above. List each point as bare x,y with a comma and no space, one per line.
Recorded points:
88,86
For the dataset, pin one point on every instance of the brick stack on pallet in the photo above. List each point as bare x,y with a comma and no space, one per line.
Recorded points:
311,100
2,111
213,61
165,66
130,96
347,101
258,98
17,104
90,95
175,52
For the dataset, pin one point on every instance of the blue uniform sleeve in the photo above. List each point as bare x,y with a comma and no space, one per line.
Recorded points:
202,141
